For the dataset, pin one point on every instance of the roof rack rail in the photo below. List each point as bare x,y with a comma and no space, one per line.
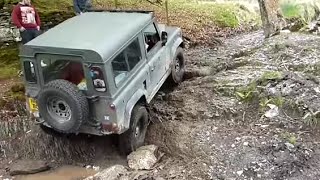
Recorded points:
120,10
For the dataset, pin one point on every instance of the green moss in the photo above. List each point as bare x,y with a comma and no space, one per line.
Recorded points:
17,92
248,93
264,101
302,11
289,137
9,62
270,76
290,10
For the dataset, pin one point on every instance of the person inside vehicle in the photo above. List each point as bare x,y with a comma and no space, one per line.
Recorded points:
74,73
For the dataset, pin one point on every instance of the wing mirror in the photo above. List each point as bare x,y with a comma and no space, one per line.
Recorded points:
164,38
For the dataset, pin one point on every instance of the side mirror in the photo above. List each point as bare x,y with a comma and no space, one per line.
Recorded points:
164,37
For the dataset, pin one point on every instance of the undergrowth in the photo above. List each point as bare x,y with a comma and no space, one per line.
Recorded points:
9,62
305,10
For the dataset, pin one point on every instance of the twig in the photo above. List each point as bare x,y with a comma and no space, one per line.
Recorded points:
244,113
155,3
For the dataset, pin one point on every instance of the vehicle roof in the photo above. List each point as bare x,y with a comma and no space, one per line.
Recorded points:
102,32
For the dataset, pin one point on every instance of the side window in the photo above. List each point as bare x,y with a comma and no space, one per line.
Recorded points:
126,61
98,79
133,52
120,68
151,37
29,70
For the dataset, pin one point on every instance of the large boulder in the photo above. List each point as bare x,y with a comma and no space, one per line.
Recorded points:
7,31
144,158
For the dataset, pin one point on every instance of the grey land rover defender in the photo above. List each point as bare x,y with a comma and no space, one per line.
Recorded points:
96,73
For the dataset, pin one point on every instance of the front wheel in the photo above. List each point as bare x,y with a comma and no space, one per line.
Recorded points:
178,66
134,137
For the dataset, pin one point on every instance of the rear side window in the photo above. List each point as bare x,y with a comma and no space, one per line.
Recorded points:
29,71
120,68
126,61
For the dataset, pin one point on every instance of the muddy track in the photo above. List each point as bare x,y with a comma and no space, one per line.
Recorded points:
217,136
206,131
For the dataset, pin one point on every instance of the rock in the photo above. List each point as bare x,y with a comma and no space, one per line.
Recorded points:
111,173
239,173
289,145
28,167
144,157
273,112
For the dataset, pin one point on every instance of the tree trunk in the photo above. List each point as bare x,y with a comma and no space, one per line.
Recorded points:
270,16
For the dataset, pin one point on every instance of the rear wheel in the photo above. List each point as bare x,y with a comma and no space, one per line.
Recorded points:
134,137
63,106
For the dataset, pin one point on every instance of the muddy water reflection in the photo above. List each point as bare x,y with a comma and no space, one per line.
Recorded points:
61,173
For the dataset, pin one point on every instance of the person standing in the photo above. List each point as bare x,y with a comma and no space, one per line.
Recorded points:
81,6
26,18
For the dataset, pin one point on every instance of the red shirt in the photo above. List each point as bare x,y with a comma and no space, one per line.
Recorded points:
25,16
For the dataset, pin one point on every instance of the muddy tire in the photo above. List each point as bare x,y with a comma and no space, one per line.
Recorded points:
178,67
134,137
63,106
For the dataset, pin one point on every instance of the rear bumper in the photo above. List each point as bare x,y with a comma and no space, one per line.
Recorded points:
99,130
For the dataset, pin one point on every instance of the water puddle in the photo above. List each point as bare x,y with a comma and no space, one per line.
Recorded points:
61,173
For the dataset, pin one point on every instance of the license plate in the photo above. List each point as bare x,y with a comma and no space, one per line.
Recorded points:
33,105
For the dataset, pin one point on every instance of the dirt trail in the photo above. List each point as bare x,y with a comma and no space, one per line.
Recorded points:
219,137
208,133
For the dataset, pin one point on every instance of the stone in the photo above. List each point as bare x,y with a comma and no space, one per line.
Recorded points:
112,173
239,173
144,158
273,112
28,167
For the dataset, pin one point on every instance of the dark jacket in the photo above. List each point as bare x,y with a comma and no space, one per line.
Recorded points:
81,5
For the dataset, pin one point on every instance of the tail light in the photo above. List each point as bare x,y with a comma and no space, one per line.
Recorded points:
112,106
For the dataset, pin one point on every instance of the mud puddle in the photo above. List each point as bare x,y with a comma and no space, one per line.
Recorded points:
61,173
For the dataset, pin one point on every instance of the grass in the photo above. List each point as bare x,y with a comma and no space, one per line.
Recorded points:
219,14
199,21
306,10
269,76
9,62
289,137
45,5
290,10
254,92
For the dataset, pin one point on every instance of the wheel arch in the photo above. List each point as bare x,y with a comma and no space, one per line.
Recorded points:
139,97
178,43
